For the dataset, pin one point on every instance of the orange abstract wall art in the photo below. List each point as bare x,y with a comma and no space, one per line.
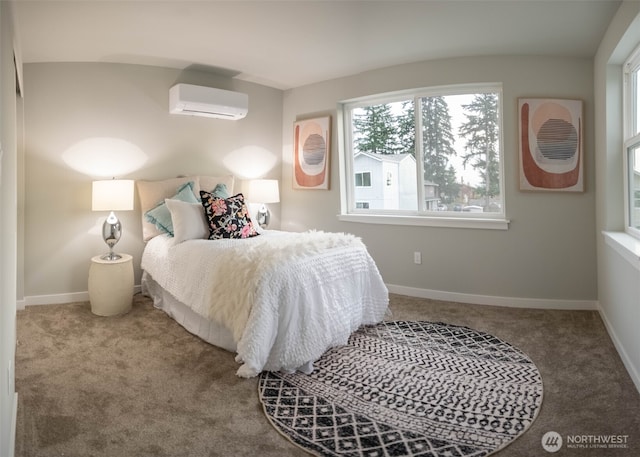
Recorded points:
551,156
311,153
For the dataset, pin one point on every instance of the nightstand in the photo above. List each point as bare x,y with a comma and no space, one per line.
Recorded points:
111,285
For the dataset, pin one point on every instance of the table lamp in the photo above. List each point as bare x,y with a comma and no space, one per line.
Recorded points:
112,195
264,191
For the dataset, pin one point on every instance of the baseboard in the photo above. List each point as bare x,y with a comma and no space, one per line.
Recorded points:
511,302
626,360
58,299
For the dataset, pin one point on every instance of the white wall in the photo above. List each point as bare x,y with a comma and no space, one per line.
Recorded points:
8,232
69,102
618,268
547,257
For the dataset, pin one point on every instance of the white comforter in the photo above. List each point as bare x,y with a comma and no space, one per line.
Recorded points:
286,297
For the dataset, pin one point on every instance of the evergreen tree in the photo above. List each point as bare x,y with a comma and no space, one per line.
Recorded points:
482,136
437,147
376,130
450,188
406,125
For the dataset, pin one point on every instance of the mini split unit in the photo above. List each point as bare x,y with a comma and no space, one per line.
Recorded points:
207,101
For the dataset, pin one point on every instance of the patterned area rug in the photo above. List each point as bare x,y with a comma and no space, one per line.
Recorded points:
407,389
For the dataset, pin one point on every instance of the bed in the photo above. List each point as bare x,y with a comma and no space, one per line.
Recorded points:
277,299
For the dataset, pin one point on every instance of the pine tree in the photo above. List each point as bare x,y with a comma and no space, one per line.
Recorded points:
406,126
376,130
450,188
482,136
437,146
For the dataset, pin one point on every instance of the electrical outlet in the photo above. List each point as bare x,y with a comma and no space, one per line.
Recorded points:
417,257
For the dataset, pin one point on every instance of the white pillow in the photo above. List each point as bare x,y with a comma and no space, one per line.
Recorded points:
189,221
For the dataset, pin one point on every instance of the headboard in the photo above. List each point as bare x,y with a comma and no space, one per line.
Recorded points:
153,193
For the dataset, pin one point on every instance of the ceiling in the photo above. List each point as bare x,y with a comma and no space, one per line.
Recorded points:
286,44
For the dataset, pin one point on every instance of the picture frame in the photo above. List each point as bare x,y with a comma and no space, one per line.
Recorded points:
312,153
551,144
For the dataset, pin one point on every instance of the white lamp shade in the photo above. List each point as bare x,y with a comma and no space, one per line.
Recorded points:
112,195
264,191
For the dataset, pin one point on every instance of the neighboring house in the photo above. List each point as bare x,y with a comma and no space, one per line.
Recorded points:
431,196
387,181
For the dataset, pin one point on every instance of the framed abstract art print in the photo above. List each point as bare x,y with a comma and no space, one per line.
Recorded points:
311,153
551,149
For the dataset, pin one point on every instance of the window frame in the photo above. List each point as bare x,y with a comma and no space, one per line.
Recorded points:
348,210
631,133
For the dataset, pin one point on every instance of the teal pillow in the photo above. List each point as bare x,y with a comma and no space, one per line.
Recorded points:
160,215
220,191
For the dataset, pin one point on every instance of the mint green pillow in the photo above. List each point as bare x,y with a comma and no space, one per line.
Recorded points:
221,191
160,215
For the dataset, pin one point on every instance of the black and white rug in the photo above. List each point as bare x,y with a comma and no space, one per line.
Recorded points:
407,389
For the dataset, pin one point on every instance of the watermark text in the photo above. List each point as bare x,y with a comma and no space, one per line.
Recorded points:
553,441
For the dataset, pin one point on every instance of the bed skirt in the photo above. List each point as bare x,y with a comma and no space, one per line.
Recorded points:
207,330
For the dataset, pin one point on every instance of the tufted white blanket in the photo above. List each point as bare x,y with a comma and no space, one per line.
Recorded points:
286,297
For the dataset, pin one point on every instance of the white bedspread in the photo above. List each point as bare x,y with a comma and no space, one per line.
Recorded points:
286,297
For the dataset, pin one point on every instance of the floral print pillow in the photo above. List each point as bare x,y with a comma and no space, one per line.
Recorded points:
227,217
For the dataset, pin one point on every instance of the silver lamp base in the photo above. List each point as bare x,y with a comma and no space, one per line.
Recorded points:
111,233
110,256
264,216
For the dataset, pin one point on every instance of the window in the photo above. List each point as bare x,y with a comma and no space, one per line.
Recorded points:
363,179
433,153
632,143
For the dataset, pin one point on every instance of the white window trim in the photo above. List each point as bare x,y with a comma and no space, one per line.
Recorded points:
497,221
632,231
427,221
625,245
629,138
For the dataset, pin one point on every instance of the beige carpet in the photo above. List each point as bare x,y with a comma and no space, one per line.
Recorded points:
139,385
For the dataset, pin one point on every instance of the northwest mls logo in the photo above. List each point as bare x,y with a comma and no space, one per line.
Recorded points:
551,442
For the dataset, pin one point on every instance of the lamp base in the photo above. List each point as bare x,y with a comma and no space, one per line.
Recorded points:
264,217
111,256
111,232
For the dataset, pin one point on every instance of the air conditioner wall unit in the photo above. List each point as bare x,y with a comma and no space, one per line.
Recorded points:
207,101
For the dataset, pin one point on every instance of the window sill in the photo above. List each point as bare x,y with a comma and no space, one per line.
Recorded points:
625,245
449,222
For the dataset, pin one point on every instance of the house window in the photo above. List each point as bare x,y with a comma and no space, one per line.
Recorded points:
363,179
362,205
632,143
429,153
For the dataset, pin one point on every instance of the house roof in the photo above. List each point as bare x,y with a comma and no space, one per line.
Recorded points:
286,44
397,158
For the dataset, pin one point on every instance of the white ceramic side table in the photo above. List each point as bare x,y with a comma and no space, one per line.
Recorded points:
111,285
